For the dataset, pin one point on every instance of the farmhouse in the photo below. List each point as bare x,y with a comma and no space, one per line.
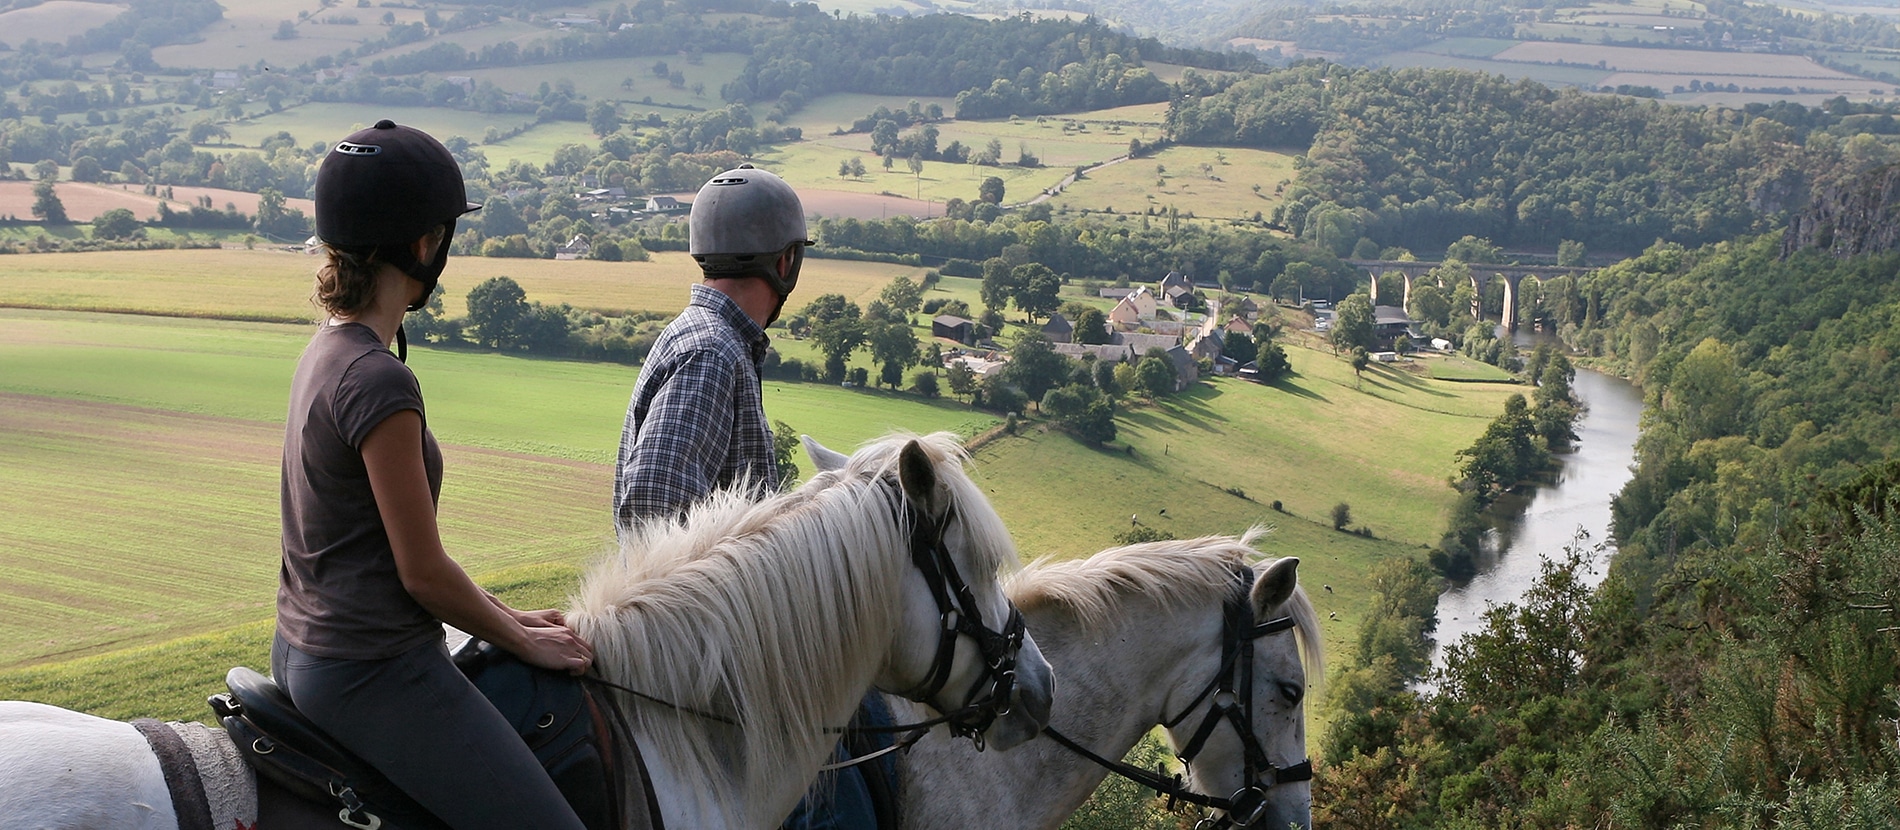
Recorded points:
665,204
981,364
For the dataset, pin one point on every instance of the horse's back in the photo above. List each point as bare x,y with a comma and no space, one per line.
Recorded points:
62,769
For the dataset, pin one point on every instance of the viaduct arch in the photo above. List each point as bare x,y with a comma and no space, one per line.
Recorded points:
1481,276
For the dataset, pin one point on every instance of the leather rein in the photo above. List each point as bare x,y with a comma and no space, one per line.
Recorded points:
1232,693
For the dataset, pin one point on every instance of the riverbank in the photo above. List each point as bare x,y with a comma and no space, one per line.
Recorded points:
1573,506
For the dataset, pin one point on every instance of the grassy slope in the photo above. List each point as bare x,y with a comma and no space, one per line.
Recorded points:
187,540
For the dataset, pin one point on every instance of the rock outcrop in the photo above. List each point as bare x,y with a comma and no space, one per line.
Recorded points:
1861,216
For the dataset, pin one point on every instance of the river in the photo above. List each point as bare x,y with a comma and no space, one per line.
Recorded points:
1578,497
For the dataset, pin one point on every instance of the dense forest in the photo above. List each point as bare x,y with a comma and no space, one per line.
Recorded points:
1737,668
1418,158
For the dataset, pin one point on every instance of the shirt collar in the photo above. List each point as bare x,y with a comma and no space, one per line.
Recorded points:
716,301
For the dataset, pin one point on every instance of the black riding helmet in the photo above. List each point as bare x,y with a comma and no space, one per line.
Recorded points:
381,189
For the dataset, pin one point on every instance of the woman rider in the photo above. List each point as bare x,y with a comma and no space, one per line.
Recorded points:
365,584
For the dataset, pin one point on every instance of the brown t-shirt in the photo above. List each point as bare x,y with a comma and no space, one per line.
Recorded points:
339,594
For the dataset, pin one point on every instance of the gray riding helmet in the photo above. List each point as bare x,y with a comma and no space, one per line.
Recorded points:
742,221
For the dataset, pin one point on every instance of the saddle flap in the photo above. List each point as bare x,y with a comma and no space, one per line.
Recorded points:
283,745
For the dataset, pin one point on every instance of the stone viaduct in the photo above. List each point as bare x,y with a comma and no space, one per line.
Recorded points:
1481,276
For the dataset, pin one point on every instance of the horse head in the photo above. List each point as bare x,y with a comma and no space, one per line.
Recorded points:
963,649
1244,731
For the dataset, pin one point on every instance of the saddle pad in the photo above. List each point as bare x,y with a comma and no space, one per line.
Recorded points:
210,785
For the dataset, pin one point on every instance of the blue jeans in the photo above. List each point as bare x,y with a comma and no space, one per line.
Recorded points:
841,799
417,720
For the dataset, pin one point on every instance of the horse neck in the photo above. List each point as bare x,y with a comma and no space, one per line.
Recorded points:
1112,687
813,655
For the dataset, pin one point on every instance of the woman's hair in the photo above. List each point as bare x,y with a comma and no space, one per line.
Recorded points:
346,281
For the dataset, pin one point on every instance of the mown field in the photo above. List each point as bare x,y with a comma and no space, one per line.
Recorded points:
273,284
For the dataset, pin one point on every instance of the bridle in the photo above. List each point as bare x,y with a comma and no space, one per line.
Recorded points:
1232,693
960,616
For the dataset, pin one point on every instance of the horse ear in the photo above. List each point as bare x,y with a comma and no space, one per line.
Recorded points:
1275,586
918,475
822,457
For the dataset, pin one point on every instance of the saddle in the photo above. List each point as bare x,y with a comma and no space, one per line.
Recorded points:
566,725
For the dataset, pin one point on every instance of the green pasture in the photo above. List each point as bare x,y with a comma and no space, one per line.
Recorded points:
1062,499
1209,182
247,34
1457,367
836,111
602,79
1384,444
814,163
330,122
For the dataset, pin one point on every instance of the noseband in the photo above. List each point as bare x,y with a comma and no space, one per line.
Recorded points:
1232,692
960,616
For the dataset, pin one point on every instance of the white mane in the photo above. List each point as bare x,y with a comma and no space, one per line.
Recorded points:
1174,574
768,613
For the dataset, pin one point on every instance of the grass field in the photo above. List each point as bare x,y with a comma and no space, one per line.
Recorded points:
329,122
54,21
266,284
1457,367
815,164
1224,189
600,80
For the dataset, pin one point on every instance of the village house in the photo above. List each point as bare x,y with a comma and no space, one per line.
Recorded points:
665,204
1139,305
1058,329
574,249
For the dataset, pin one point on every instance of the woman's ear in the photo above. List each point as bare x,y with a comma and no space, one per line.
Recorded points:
425,246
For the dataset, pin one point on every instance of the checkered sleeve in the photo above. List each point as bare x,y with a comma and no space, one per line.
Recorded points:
676,459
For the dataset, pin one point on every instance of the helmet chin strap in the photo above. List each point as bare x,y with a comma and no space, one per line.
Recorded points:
428,273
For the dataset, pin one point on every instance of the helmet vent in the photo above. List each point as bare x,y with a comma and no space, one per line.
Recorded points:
349,148
729,180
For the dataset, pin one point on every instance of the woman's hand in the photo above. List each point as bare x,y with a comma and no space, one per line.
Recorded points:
555,647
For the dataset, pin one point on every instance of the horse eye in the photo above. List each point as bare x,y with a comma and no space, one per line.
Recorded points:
1292,692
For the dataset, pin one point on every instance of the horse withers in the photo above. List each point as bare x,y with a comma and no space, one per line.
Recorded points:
761,624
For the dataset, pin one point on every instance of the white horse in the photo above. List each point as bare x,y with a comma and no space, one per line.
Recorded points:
775,616
1137,634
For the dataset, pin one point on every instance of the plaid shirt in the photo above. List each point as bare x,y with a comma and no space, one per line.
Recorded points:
697,419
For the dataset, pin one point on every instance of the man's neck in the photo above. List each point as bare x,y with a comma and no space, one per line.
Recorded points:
753,296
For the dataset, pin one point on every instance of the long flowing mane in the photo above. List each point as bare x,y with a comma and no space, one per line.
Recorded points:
768,613
1175,574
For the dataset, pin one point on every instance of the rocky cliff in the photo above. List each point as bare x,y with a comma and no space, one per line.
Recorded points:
1860,216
